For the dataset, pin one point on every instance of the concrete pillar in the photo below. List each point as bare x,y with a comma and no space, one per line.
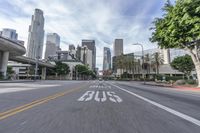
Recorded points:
4,62
44,71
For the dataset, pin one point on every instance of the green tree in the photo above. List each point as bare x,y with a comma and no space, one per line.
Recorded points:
120,63
180,28
183,64
61,68
10,71
84,71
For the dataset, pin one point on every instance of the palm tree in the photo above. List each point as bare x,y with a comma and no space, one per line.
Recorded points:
120,63
157,60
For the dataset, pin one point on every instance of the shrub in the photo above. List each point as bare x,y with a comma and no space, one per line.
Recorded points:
191,82
1,76
180,82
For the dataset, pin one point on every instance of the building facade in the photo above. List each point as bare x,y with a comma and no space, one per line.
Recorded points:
78,53
9,33
52,44
168,55
118,47
91,46
106,59
72,51
36,35
86,57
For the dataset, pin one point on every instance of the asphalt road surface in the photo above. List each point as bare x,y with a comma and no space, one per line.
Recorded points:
96,107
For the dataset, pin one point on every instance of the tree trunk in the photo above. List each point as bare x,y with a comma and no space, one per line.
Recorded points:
197,65
157,67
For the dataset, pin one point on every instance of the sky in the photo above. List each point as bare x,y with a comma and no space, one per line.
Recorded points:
74,20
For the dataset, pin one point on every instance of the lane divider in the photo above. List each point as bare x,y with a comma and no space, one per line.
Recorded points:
30,105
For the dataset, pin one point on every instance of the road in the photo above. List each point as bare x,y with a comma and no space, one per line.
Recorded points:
96,107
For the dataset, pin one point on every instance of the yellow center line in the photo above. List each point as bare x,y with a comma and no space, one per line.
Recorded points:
30,105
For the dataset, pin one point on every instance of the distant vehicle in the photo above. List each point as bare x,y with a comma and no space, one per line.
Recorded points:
100,79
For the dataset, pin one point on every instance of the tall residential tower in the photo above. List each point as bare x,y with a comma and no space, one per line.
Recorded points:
36,35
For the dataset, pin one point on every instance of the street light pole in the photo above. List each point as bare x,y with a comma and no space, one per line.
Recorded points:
142,60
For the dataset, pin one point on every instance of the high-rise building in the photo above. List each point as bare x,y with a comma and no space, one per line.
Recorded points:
106,59
36,35
72,51
78,53
9,33
71,47
86,56
91,46
118,47
52,44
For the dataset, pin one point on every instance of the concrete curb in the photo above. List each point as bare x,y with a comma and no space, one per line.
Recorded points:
174,87
161,85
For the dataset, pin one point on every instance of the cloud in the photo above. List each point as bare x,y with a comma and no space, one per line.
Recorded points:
102,20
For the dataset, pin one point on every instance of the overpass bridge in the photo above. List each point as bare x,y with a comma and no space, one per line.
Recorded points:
27,60
9,48
12,50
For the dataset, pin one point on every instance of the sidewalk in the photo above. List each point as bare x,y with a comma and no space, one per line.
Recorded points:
186,88
16,81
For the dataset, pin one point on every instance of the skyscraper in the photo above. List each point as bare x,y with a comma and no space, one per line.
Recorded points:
36,35
118,47
71,47
106,59
78,53
91,46
86,56
52,44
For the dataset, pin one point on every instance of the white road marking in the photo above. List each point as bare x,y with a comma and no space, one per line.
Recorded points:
100,87
96,98
24,88
23,123
172,111
87,96
113,97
